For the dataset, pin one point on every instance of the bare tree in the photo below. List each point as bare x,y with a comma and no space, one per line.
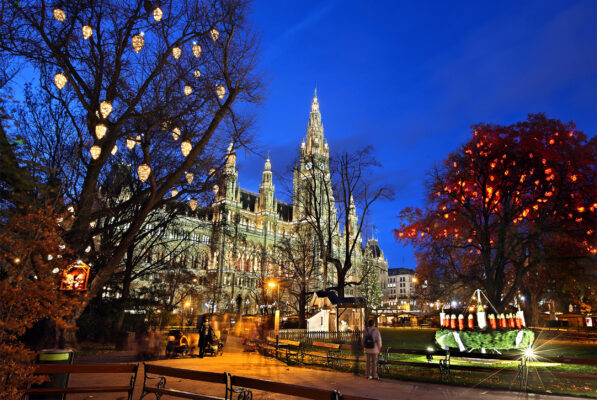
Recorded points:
134,73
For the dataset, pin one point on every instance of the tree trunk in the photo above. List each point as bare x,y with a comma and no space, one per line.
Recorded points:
302,304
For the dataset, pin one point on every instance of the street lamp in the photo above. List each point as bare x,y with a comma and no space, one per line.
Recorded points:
273,284
187,304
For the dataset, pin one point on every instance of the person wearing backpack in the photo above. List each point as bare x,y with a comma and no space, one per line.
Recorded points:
372,345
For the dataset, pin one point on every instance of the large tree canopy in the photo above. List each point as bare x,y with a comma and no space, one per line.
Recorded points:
499,205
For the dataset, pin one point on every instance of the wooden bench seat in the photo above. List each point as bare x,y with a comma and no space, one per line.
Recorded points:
52,369
291,350
332,353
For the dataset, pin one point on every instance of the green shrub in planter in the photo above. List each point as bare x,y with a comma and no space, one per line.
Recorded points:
498,339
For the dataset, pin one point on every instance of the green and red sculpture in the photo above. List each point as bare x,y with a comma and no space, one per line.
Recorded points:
490,332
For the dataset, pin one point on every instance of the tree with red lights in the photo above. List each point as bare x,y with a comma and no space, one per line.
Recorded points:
511,203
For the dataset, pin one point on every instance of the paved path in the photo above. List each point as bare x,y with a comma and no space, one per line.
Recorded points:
254,365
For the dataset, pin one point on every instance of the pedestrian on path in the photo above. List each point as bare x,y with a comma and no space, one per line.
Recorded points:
372,345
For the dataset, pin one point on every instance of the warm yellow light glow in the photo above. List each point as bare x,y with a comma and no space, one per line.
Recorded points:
138,42
197,73
187,304
190,177
186,147
529,353
87,31
221,91
59,15
130,143
176,133
157,14
176,52
196,50
100,130
216,189
60,80
95,151
105,108
214,34
188,90
271,284
114,150
174,192
17,260
414,279
193,204
143,171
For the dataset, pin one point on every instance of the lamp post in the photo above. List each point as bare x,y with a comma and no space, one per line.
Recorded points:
273,284
187,304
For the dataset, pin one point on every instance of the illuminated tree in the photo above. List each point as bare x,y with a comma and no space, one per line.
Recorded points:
498,206
120,73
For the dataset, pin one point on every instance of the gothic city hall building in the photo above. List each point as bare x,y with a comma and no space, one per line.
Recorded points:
228,254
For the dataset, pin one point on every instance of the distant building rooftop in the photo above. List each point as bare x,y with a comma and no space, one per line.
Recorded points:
400,271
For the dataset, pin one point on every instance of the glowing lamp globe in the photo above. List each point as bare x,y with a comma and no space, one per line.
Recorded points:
196,50
138,42
87,31
221,91
157,14
197,73
95,151
130,143
143,171
59,14
174,192
188,90
176,52
60,80
190,177
186,147
114,150
193,204
216,189
214,34
105,108
176,133
100,131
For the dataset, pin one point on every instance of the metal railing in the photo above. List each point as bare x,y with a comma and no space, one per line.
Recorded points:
302,335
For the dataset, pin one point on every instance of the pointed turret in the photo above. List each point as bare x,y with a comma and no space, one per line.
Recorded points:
266,190
314,128
352,217
230,174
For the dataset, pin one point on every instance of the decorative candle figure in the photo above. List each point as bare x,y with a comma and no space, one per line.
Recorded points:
461,322
492,322
60,80
520,316
481,317
453,321
442,314
511,323
471,321
502,321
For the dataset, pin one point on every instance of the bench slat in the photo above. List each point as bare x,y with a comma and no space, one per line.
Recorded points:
181,393
79,389
281,388
327,345
49,369
215,377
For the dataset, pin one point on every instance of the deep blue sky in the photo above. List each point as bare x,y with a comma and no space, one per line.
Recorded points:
410,78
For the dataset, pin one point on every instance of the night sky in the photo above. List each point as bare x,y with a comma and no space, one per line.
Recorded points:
410,78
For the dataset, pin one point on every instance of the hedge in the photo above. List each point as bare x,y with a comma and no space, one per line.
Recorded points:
498,339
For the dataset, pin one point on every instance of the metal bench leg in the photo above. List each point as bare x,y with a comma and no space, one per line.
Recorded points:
444,367
523,374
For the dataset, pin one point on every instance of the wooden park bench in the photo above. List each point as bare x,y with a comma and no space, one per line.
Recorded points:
291,350
268,348
162,373
52,369
333,352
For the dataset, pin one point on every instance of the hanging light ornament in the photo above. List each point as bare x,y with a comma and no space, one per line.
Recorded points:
196,50
190,177
193,204
197,73
143,171
114,150
59,14
188,90
221,91
100,131
174,192
186,147
216,189
176,52
105,108
176,133
157,14
95,151
130,143
87,31
138,42
214,34
60,80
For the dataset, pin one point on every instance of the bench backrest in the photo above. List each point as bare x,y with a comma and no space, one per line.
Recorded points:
327,345
289,342
49,369
205,376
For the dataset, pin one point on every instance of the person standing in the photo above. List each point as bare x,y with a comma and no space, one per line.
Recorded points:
372,345
204,336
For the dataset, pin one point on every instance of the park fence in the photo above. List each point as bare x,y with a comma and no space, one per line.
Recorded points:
302,335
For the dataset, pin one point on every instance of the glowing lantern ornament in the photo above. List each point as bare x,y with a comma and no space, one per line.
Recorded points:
186,147
197,73
130,143
114,150
60,80
138,42
190,177
105,108
157,14
193,204
95,151
214,34
87,31
174,192
196,50
59,14
176,52
221,91
75,277
100,131
188,90
143,171
176,133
